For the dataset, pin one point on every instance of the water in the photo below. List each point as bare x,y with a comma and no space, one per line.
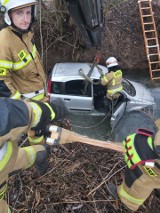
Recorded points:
98,127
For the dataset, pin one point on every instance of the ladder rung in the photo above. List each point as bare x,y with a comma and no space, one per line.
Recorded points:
150,39
153,54
154,62
148,31
145,8
147,23
156,70
152,46
143,1
156,78
146,15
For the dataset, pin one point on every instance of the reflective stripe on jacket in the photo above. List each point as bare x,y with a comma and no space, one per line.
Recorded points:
123,193
138,148
21,69
113,80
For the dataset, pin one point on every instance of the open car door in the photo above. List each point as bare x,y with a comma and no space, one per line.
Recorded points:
118,109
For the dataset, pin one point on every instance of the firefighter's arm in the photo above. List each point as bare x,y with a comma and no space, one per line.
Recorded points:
41,115
105,79
7,88
138,149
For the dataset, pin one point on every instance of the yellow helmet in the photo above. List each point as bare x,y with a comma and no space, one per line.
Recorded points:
7,5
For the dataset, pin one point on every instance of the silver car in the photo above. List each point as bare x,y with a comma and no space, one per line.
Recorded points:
68,81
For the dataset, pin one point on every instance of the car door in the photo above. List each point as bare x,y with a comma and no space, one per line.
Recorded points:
118,109
76,97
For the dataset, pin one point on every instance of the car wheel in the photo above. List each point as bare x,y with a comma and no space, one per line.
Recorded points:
130,122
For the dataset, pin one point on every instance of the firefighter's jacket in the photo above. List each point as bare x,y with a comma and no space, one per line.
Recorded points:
15,118
142,175
21,69
113,81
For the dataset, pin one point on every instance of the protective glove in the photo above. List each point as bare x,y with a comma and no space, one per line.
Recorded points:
138,148
41,162
44,113
59,108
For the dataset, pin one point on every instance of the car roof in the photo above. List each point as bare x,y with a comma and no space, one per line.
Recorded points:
71,70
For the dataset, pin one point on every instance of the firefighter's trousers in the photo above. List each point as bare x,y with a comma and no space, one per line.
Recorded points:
25,158
138,185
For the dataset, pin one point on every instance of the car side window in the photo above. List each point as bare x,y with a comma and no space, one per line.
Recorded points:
56,87
76,87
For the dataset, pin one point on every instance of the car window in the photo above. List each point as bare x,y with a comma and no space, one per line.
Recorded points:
78,88
128,88
56,87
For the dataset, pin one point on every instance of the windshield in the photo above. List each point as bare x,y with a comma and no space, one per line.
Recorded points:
128,87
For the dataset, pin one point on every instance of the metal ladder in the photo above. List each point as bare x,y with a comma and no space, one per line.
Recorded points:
150,38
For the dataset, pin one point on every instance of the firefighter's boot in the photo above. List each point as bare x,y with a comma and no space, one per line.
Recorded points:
112,188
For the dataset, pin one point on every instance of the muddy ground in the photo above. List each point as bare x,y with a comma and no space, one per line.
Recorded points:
77,176
121,37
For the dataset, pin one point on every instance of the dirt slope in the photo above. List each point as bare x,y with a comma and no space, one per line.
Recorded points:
122,38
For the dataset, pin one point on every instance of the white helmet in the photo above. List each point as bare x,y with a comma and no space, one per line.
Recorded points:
5,6
111,62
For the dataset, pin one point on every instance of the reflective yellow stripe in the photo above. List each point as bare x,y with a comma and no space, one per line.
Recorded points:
3,193
31,154
115,90
150,142
5,2
16,96
9,211
36,140
38,97
52,112
7,155
150,171
105,79
18,65
124,194
6,64
37,113
117,74
3,72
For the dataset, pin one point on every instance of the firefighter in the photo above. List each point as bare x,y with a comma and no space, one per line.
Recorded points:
16,117
113,81
22,75
142,175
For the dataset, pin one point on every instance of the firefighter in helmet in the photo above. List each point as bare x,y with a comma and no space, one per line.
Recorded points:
21,72
112,79
22,75
17,117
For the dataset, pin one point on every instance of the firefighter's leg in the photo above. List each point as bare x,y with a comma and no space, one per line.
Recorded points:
28,156
4,208
136,187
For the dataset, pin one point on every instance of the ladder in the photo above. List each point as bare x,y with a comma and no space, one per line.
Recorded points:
150,38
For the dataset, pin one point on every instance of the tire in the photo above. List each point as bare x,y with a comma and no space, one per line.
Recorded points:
130,122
